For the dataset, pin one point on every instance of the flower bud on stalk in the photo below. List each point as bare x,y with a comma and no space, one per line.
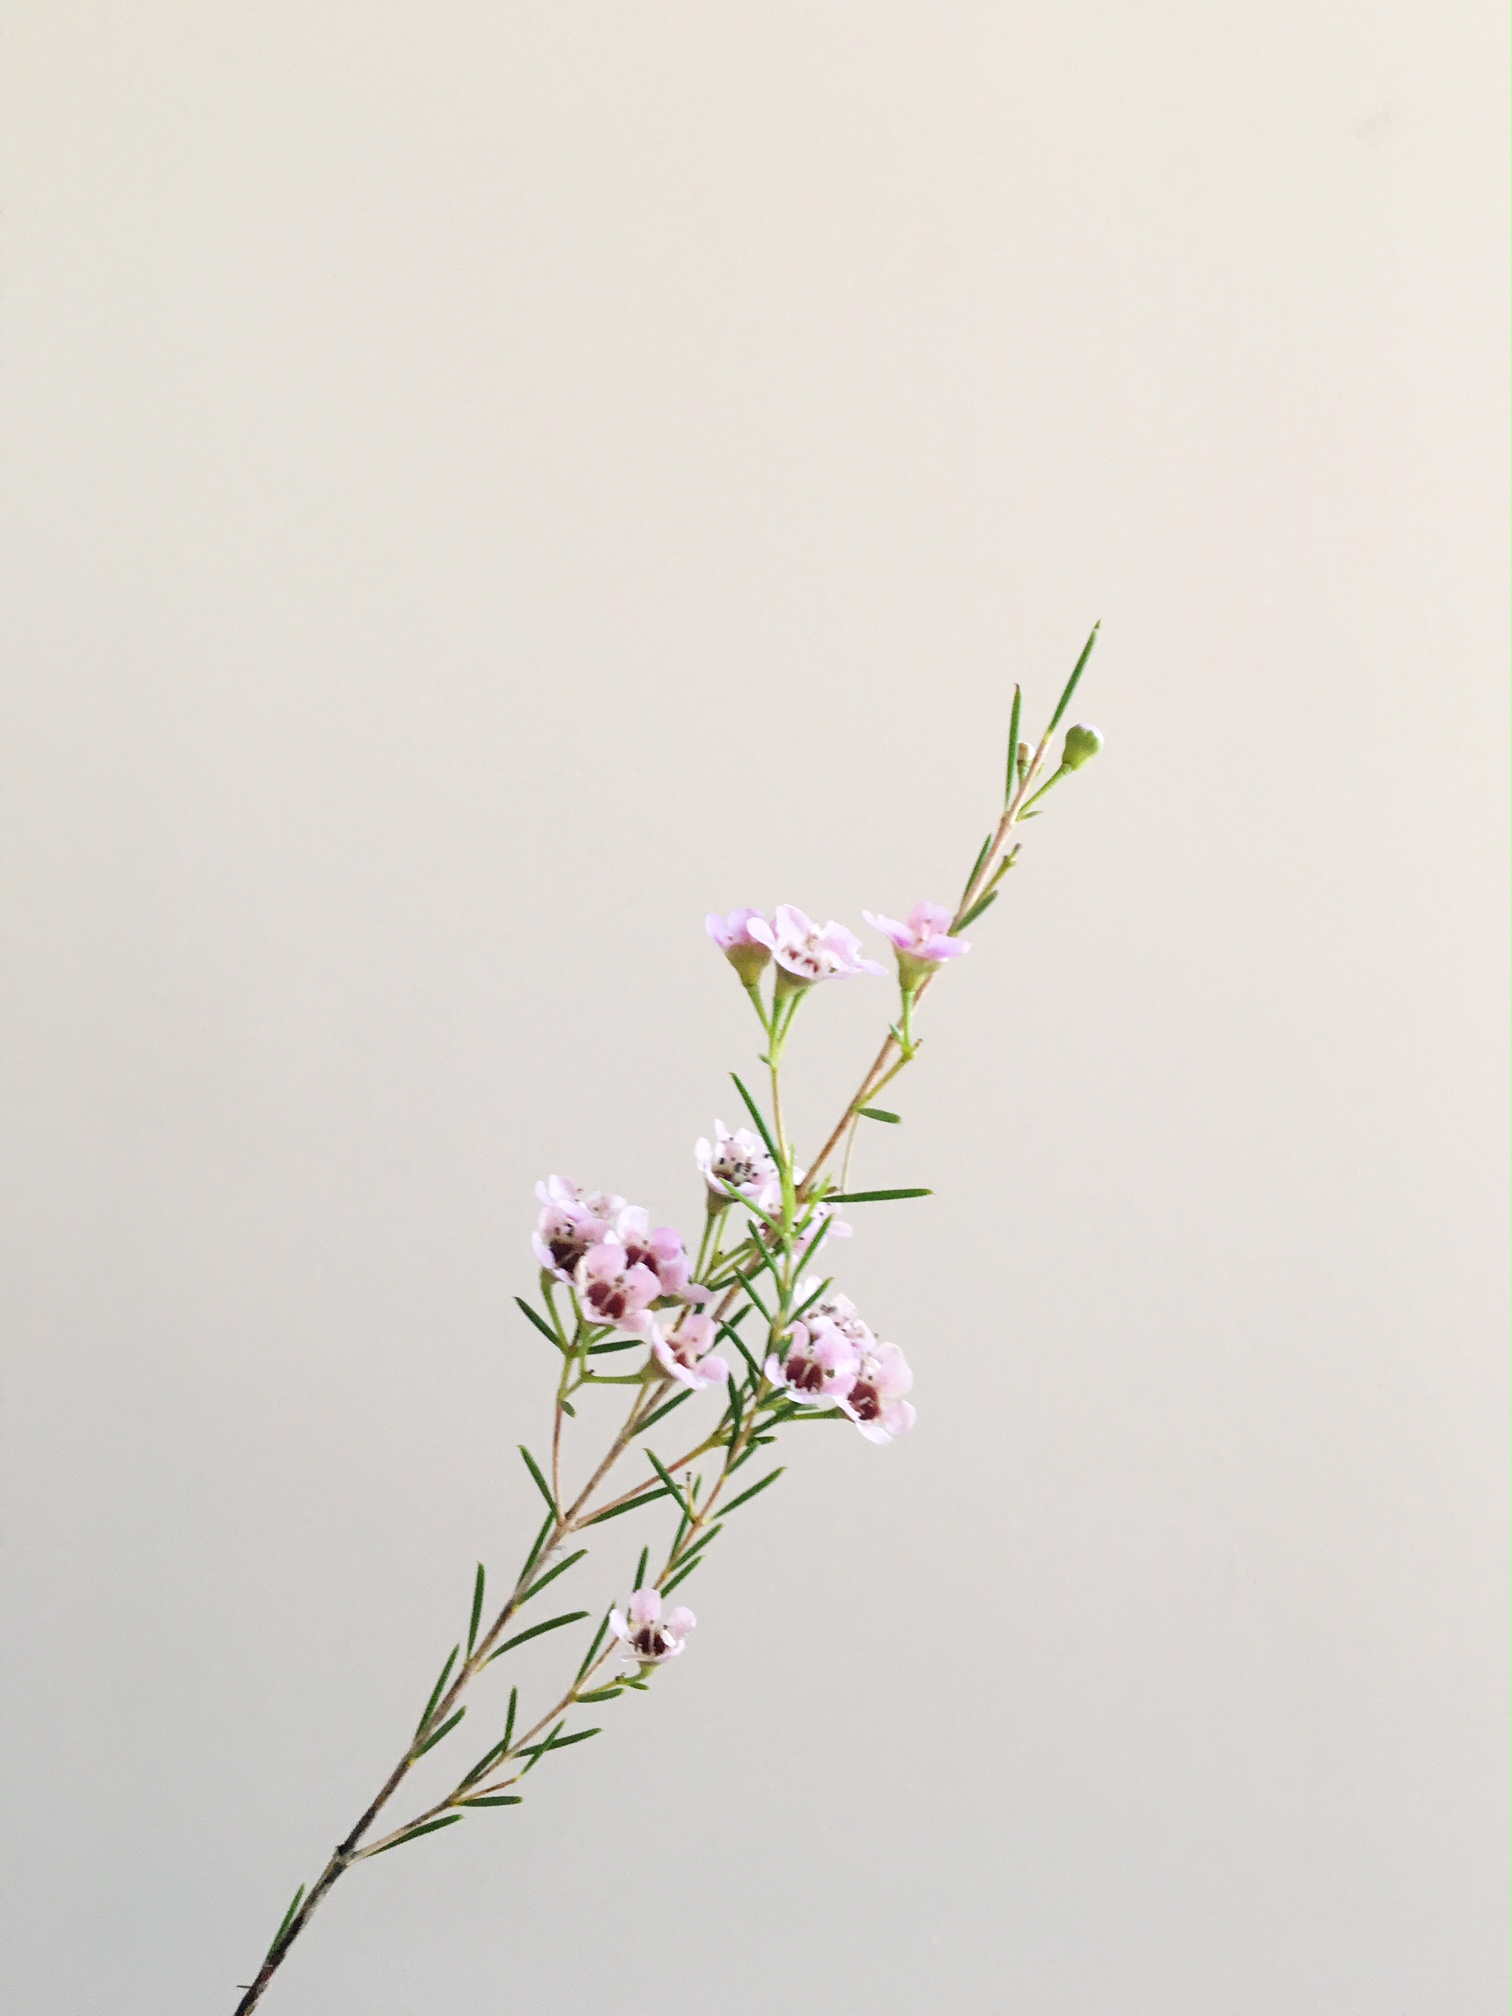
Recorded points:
1082,744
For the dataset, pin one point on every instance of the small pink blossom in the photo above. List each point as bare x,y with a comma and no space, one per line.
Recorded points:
875,1400
741,1161
827,1223
683,1351
818,1364
809,951
923,943
572,1220
614,1289
837,1309
747,953
662,1250
646,1634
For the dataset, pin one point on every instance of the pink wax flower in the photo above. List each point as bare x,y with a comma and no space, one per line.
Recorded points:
614,1289
683,1351
923,943
572,1220
818,1364
826,1222
807,951
875,1400
645,1634
837,1309
741,1161
732,934
662,1250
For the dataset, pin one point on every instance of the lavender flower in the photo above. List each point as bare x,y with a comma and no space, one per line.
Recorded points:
662,1250
807,951
922,944
746,953
613,1288
874,1401
644,1633
572,1220
741,1161
818,1365
682,1352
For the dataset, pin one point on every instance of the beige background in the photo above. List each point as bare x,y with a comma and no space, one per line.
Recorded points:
485,484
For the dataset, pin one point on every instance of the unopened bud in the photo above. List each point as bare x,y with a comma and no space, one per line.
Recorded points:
1024,754
1082,744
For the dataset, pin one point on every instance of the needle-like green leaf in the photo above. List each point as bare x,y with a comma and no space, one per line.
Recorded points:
288,1919
630,1505
681,1575
666,1476
1013,742
874,1196
551,1575
436,1690
664,1410
414,1834
535,1470
1071,684
761,1127
536,1631
982,903
771,1478
445,1730
881,1112
477,1610
640,1568
539,1321
496,1799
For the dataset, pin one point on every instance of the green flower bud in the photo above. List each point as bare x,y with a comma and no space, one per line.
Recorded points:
1082,744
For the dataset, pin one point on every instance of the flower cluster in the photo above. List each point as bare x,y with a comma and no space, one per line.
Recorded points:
831,1358
609,1254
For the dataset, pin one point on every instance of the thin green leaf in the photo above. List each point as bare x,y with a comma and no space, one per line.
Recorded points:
496,1799
1013,742
874,1196
620,1344
436,1690
601,1694
880,1113
509,1719
414,1834
745,1282
288,1919
445,1730
477,1610
536,1751
976,866
761,1127
810,1414
640,1568
771,1478
540,1323
536,1630
577,1736
666,1476
592,1652
982,903
1071,684
486,1762
727,1332
665,1409
535,1470
550,1576
630,1505
703,1541
540,1540
681,1575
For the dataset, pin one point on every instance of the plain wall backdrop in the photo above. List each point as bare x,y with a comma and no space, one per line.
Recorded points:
482,486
